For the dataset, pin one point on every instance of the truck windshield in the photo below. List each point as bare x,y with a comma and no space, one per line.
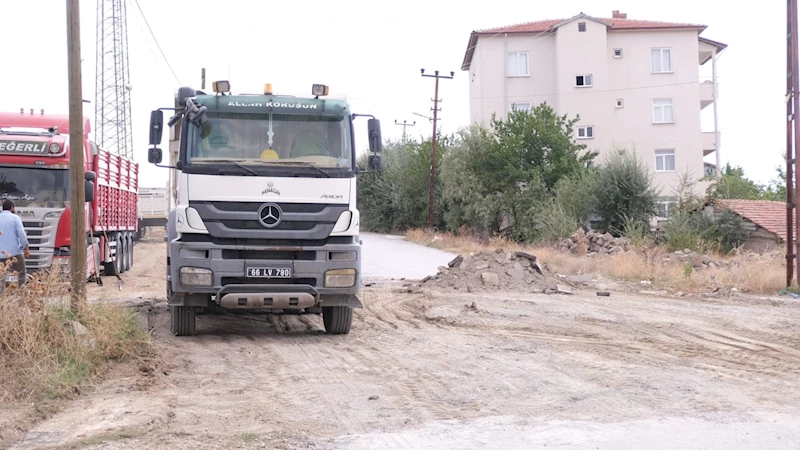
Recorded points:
264,139
34,187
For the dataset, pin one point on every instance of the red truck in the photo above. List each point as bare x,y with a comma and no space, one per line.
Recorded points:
34,173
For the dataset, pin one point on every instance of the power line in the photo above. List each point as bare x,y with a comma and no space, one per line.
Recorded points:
156,41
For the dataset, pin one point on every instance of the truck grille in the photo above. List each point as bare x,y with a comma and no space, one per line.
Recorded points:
41,240
298,221
255,225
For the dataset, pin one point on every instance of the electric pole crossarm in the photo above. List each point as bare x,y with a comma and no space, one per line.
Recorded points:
404,125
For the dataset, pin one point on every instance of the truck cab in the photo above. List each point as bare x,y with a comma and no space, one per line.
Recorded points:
34,173
265,216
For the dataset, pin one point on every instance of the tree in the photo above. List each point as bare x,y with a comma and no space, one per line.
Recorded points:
623,192
529,144
733,184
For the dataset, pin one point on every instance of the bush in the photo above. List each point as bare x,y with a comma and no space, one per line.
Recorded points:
623,191
397,197
48,351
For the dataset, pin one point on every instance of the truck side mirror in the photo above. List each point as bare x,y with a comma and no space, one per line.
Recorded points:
154,155
375,141
374,163
89,191
90,176
156,126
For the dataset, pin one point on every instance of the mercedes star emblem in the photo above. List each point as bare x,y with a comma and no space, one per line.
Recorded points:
270,215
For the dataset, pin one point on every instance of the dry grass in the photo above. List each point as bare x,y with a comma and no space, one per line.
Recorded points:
49,351
761,276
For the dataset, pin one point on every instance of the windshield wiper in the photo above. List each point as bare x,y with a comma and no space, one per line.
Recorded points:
235,162
301,163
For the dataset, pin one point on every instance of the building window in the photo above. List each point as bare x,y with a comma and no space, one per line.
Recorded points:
521,106
663,111
665,160
583,80
617,53
518,64
581,26
586,132
661,60
665,208
619,103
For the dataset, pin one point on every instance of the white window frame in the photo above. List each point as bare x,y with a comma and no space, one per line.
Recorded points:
614,53
668,206
585,77
588,132
661,51
527,69
663,105
514,106
662,155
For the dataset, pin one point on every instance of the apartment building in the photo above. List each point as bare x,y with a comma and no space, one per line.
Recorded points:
634,83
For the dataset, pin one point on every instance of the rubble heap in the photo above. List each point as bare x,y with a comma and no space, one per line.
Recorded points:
593,243
492,271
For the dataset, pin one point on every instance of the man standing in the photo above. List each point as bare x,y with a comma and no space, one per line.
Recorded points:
13,242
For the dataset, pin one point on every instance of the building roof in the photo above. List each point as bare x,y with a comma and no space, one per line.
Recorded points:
768,215
619,22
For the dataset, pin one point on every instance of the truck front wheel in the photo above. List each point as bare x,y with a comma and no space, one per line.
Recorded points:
337,319
181,320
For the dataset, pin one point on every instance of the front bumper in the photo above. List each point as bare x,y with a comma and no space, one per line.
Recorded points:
229,265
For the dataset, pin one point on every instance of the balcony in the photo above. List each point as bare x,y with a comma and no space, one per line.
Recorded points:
706,93
709,169
709,140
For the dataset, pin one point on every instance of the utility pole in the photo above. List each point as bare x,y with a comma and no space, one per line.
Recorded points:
436,101
77,169
404,125
792,150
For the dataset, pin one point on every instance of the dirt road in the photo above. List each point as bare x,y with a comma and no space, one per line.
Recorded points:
452,369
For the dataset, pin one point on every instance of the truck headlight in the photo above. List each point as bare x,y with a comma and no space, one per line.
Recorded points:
340,278
195,276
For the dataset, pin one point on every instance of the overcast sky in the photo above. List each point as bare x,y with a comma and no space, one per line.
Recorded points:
372,52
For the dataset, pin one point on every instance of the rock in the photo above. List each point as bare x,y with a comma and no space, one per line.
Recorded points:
525,262
78,328
686,251
499,250
603,294
373,397
516,272
580,278
481,265
500,259
645,283
455,262
490,279
442,269
538,267
425,280
706,259
561,289
525,255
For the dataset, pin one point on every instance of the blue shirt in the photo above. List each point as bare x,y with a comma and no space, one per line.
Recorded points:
12,239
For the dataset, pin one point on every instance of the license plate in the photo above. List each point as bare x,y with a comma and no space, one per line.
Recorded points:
12,279
268,272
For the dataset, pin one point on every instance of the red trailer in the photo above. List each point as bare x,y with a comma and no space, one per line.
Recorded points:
34,173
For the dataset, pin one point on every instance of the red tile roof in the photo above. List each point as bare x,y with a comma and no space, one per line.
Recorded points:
770,216
615,24
544,26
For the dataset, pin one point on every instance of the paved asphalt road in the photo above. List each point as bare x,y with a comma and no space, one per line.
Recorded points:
387,257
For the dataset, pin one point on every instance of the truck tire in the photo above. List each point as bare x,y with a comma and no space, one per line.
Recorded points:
111,268
181,320
337,319
121,252
128,251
